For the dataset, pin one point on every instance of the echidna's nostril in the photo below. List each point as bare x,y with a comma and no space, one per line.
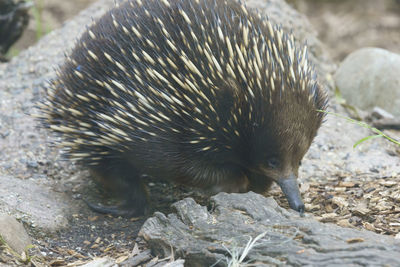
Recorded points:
300,208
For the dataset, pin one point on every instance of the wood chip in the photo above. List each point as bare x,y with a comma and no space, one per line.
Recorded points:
57,262
346,184
93,218
340,202
121,259
340,189
355,240
388,183
300,251
312,207
344,223
134,219
369,226
364,201
329,217
361,209
71,252
109,248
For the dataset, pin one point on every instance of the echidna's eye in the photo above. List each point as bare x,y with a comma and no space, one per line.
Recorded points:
273,163
299,163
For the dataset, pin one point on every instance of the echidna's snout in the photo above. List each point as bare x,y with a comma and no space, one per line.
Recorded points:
291,190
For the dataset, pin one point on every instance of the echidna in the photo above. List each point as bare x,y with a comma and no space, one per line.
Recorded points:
200,92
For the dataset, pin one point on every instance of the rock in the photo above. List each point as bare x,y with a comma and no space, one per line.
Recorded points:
370,77
14,18
102,262
382,119
140,258
35,204
177,263
14,234
380,113
205,237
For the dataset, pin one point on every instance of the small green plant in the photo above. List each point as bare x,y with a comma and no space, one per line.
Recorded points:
340,99
24,258
377,132
12,52
37,11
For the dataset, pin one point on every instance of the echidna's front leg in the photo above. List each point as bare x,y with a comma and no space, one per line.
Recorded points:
124,182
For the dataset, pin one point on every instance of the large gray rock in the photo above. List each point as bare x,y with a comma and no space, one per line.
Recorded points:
101,262
205,237
34,203
370,77
14,234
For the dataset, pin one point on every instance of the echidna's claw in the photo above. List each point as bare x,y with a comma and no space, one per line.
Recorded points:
124,209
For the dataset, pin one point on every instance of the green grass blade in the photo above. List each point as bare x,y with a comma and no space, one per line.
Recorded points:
365,139
379,133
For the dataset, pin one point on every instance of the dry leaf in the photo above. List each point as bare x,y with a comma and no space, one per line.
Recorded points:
93,218
347,184
340,201
344,223
388,183
300,251
368,226
121,259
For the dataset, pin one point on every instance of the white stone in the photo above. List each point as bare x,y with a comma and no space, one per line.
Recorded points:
101,262
370,77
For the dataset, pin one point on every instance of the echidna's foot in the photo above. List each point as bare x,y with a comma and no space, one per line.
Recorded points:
123,181
125,209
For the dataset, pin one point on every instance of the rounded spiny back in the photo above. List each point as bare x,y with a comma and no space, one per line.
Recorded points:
202,75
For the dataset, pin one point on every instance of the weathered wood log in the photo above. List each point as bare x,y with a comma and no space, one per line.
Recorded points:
204,237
